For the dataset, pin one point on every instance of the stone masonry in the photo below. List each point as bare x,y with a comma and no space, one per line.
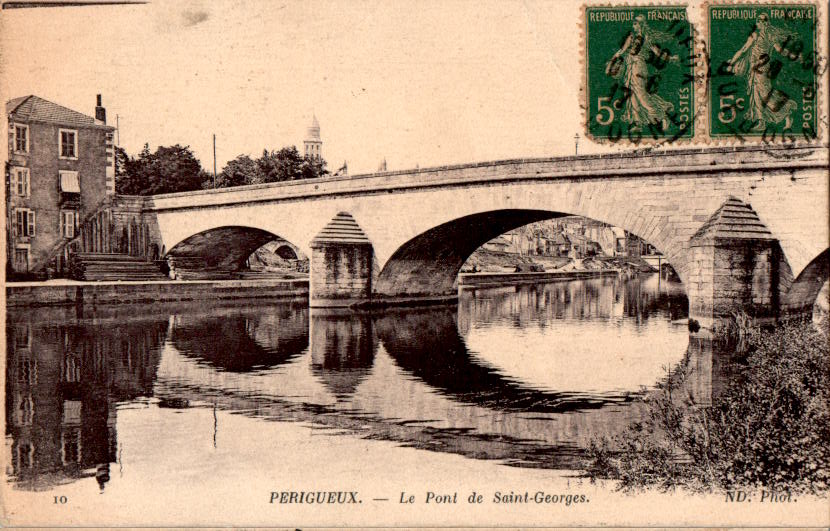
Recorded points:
418,224
341,264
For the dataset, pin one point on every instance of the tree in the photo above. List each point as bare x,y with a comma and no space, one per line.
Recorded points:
175,169
288,165
282,165
121,162
313,168
240,171
169,169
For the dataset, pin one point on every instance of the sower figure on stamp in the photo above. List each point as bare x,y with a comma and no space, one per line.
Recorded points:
629,64
753,62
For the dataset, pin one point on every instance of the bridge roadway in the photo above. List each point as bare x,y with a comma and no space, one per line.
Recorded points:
746,228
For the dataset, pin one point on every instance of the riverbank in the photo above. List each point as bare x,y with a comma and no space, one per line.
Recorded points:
60,292
487,261
72,292
766,429
486,280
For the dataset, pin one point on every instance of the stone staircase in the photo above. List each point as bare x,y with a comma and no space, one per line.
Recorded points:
113,266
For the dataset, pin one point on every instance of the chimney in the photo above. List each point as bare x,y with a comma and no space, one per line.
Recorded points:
100,112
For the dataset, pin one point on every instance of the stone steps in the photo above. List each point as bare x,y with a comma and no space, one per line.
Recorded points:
113,266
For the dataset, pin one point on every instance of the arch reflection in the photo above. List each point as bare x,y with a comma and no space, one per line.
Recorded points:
427,344
243,341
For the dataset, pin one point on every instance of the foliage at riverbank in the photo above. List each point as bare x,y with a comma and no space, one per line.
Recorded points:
770,428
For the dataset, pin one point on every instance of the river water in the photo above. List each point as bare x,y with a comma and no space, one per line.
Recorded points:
192,399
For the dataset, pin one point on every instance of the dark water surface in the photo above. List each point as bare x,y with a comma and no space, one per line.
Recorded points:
522,376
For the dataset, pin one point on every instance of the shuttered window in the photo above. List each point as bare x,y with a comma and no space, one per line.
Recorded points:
68,220
21,138
19,181
25,222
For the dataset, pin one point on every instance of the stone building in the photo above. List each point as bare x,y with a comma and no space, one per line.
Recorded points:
313,144
61,168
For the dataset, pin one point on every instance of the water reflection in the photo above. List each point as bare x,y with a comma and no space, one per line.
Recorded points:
427,344
62,384
523,375
242,341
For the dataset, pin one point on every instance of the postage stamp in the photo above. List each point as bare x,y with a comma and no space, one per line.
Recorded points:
764,65
639,73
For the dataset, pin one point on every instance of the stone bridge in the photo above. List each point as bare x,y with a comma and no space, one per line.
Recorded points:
745,228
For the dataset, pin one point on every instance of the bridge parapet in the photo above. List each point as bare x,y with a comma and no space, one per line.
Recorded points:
634,164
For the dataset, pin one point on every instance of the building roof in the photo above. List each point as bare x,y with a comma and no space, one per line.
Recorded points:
499,240
35,109
736,220
313,132
342,229
560,239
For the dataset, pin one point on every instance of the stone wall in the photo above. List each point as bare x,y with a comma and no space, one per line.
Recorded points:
341,272
45,197
662,196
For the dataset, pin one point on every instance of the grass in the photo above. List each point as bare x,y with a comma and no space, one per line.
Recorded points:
770,428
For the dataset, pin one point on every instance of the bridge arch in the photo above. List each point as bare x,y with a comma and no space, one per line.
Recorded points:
217,250
286,252
805,289
429,263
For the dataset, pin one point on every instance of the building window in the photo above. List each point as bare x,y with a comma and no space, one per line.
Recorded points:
25,455
25,411
21,260
19,181
68,144
71,446
25,222
21,138
26,370
72,370
68,220
22,337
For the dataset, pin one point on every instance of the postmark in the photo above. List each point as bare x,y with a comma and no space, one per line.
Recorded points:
764,68
639,73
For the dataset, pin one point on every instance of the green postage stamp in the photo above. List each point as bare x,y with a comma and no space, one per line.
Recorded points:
639,73
763,62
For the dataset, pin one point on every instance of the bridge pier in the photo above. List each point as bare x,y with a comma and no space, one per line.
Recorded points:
341,264
736,268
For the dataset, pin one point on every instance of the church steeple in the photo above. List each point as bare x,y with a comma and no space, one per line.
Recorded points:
313,144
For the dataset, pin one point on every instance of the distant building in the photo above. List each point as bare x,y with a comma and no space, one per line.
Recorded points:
582,247
619,241
343,171
636,246
313,144
498,244
61,168
562,244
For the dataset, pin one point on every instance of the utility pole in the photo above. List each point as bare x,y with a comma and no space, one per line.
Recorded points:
117,132
576,144
214,160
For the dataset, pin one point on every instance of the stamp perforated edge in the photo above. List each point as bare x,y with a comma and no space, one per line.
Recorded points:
645,141
821,80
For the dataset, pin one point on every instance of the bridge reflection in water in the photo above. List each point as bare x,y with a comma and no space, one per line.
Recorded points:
524,375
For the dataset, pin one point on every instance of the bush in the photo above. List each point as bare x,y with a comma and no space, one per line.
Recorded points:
770,428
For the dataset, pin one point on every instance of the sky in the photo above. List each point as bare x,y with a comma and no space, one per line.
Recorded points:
417,83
